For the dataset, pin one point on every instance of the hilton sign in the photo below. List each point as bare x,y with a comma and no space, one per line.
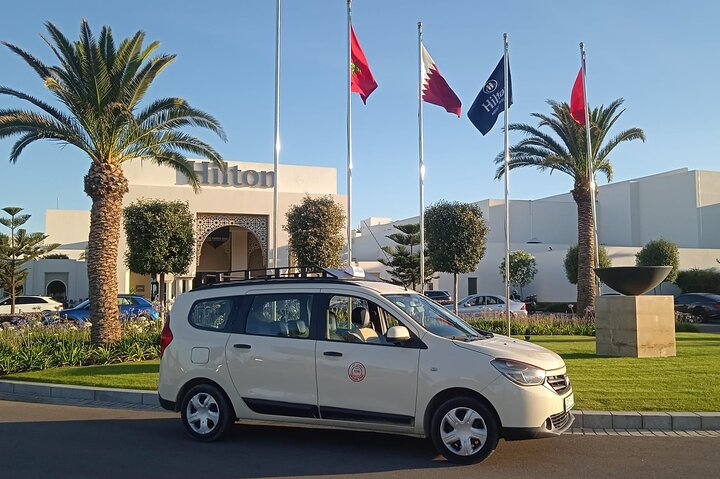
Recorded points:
210,175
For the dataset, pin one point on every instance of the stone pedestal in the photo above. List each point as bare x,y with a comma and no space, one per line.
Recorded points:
635,326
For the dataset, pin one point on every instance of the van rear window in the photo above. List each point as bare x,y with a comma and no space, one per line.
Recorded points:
211,314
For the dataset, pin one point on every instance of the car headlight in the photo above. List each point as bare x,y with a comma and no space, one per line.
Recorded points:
519,373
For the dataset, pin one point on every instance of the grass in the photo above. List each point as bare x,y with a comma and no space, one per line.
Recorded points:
135,375
688,382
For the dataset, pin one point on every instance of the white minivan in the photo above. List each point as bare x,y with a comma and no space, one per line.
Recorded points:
338,351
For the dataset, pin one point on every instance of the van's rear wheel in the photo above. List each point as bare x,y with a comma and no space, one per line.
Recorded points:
464,430
206,413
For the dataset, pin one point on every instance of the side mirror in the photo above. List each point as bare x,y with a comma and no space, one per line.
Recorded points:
398,334
466,305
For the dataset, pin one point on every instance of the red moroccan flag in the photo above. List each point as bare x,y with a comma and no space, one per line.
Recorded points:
435,89
362,80
577,100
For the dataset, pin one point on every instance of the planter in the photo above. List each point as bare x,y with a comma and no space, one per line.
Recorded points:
633,280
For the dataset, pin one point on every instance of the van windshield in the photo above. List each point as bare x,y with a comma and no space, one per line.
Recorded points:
434,317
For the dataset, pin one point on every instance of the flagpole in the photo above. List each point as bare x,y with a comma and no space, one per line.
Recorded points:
421,171
507,186
591,169
349,134
276,162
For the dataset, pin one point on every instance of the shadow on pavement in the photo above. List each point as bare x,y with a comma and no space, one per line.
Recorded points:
160,448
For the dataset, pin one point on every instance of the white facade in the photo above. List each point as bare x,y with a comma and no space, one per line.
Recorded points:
238,203
681,206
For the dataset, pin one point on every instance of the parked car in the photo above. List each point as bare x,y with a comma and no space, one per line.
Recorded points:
344,352
488,303
129,304
705,306
30,304
439,296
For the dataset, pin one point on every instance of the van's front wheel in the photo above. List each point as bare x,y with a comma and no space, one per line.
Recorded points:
464,430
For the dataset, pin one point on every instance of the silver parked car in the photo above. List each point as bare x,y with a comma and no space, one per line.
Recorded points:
488,304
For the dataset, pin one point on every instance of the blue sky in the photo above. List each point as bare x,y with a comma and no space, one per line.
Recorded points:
662,58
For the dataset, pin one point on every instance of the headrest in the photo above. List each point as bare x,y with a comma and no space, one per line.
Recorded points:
361,317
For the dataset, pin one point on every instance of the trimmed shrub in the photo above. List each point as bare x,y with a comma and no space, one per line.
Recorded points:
660,253
571,262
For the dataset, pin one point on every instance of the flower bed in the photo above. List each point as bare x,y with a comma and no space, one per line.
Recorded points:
29,343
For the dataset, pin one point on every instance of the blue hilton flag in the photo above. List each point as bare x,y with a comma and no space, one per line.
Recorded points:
490,102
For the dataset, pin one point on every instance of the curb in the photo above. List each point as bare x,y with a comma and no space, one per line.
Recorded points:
146,399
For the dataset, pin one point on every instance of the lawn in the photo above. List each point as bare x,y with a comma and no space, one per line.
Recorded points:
136,375
688,382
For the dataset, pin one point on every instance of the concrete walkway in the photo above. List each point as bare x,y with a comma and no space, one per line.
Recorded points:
586,422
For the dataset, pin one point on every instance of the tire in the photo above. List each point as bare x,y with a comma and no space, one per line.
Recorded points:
476,441
700,313
206,413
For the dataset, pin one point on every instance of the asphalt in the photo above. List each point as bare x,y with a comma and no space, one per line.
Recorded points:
709,328
53,441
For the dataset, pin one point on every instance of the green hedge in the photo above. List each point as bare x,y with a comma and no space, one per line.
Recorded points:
699,281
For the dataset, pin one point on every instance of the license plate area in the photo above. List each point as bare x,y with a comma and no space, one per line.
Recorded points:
569,401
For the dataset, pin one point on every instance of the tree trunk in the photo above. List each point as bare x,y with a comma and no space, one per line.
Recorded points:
162,293
455,291
586,248
105,184
12,288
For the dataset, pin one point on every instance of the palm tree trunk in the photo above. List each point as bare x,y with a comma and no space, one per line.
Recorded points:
586,249
105,184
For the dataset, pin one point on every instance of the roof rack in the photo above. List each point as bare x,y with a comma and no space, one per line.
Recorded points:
285,273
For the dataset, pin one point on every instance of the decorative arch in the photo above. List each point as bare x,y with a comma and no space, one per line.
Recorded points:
56,288
206,223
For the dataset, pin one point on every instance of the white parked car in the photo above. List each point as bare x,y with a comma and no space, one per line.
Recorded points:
488,303
342,352
30,304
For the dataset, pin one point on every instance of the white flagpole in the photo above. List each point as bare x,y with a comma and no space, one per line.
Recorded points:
276,162
349,136
421,170
507,187
591,169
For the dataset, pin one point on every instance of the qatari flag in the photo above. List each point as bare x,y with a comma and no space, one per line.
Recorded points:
577,100
435,89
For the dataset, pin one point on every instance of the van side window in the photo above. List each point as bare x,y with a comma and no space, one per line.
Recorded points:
286,315
211,314
357,320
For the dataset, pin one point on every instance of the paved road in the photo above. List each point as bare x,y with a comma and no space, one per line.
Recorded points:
709,327
52,441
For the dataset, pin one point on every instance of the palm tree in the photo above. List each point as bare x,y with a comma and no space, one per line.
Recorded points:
569,155
100,89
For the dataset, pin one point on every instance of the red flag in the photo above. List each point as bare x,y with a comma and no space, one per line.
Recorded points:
577,100
435,89
362,80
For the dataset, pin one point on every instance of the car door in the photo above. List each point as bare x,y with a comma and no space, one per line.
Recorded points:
366,379
271,355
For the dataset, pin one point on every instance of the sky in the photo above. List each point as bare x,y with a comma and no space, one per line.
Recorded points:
660,57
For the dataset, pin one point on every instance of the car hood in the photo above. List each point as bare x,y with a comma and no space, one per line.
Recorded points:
510,348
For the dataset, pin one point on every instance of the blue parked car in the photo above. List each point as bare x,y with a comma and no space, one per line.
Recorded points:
129,304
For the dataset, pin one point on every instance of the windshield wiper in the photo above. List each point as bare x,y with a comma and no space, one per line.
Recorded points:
462,338
484,333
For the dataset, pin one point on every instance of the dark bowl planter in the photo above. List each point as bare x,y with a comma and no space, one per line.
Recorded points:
633,280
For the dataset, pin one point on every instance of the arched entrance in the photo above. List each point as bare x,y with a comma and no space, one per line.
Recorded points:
57,290
229,243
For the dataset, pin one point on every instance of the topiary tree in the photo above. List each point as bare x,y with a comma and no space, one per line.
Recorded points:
571,262
660,252
523,269
16,249
160,238
404,262
455,234
315,227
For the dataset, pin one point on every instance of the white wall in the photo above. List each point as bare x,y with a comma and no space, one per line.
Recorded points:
44,270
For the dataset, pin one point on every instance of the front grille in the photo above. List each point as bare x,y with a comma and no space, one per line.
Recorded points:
560,384
560,420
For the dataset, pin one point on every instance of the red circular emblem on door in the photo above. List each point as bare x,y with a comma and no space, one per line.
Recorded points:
356,372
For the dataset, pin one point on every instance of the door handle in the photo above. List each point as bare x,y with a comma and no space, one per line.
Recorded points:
332,353
241,346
